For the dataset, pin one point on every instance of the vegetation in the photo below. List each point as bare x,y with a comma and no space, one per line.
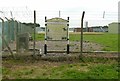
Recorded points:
108,41
32,24
40,37
104,69
85,68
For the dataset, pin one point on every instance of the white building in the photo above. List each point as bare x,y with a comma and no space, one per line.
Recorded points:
113,27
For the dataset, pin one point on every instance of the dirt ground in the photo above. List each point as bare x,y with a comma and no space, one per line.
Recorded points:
62,45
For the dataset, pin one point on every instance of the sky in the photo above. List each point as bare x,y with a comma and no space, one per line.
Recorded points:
22,10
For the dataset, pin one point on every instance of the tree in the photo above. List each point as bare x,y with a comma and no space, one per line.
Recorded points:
31,24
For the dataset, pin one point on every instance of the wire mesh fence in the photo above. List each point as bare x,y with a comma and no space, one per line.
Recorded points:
12,32
17,33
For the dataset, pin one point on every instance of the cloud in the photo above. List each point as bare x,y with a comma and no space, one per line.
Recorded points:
73,8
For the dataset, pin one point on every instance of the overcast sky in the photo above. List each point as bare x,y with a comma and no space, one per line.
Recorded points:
22,10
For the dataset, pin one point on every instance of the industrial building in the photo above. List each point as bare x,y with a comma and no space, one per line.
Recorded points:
78,29
113,27
93,29
99,29
40,29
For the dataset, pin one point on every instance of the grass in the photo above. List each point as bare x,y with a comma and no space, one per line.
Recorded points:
91,68
79,70
107,40
40,36
94,72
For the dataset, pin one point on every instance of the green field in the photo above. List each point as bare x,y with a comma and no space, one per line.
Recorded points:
90,69
109,41
87,68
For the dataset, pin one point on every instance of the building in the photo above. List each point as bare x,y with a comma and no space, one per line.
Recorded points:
78,29
93,29
86,26
40,29
99,29
71,29
113,27
105,28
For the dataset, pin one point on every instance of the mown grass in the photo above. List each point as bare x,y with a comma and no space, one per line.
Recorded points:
107,69
107,40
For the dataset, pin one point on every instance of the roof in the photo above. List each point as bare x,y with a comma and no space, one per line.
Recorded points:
57,19
114,23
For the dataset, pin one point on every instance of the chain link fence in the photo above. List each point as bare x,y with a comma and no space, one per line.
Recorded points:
12,32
